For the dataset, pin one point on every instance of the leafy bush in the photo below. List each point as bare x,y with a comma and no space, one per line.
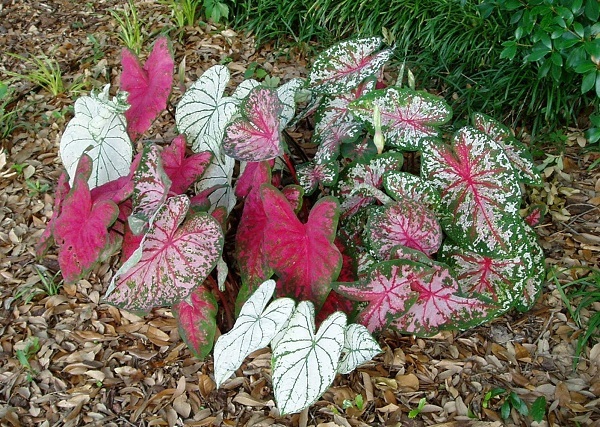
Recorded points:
445,248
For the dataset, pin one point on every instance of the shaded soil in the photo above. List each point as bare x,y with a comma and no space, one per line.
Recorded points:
98,365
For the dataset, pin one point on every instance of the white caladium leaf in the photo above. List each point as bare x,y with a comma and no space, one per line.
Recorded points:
219,175
359,347
310,175
99,129
345,65
305,363
407,116
253,330
287,95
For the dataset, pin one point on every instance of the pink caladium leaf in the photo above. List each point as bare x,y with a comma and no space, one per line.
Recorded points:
311,175
60,193
117,190
369,174
404,252
439,305
408,223
81,229
151,188
407,116
345,65
183,171
302,255
174,256
478,189
294,195
256,136
534,214
515,150
253,175
148,86
197,320
387,291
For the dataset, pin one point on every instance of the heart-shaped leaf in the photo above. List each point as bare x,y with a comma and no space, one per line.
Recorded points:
148,86
218,177
479,190
305,363
183,171
359,347
310,175
294,195
81,229
171,260
254,329
287,96
99,130
403,185
302,255
345,65
407,116
197,320
256,136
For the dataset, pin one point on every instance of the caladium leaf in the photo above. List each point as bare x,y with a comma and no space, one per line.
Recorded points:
254,329
253,175
117,190
331,139
360,151
403,185
98,129
197,320
218,177
310,175
183,171
532,288
534,214
478,189
287,96
407,116
345,65
404,252
60,193
359,347
81,230
408,223
365,174
294,194
151,188
305,363
388,291
303,255
256,136
148,86
515,150
173,258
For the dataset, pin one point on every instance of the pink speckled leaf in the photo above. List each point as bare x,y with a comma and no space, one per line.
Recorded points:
183,171
151,188
173,258
46,239
294,194
148,86
81,230
302,255
196,320
256,136
408,223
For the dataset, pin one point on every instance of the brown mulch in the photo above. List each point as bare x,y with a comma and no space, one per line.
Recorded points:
97,365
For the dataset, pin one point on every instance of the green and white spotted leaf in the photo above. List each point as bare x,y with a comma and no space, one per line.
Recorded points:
304,363
359,347
345,65
287,96
407,116
400,185
253,330
310,175
532,288
98,129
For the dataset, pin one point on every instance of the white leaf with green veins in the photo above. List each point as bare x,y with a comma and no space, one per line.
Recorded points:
253,330
305,363
287,95
359,347
98,129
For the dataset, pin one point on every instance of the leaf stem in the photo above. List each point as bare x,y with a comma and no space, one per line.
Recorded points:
290,165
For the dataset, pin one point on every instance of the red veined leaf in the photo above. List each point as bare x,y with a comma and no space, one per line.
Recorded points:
362,150
253,175
345,65
294,195
331,139
479,190
407,116
410,254
81,230
196,320
408,223
183,171
117,190
365,174
256,136
311,174
174,256
148,86
439,305
387,291
302,255
46,239
151,188
403,185
534,215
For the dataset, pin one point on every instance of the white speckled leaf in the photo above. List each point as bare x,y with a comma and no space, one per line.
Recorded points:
254,329
305,363
310,175
218,174
407,116
359,347
98,129
345,65
403,185
287,95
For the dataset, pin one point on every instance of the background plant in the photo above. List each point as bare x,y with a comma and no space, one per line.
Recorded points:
130,26
45,72
7,117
